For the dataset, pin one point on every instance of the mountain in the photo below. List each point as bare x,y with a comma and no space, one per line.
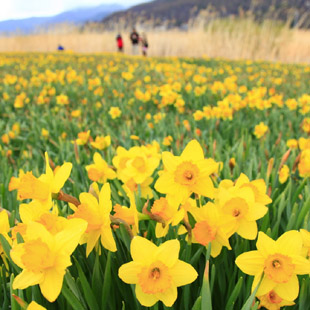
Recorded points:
76,16
174,13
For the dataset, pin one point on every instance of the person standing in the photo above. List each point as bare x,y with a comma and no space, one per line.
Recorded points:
120,43
145,44
134,38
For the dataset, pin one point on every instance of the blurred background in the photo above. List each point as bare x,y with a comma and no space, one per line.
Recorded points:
275,30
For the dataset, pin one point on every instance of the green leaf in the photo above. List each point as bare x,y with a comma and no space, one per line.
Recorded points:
88,293
71,299
7,248
197,304
250,300
234,295
106,282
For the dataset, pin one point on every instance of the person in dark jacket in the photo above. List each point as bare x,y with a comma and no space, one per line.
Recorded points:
134,38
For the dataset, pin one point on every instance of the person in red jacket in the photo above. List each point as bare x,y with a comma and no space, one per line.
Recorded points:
120,44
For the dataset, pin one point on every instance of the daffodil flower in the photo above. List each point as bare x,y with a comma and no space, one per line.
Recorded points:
156,271
44,257
278,262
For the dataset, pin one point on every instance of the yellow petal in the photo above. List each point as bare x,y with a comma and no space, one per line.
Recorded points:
89,200
169,296
169,161
161,231
265,245
27,278
61,176
52,284
38,231
193,151
242,180
48,170
256,211
92,239
34,306
147,300
16,254
4,222
251,263
266,286
31,211
165,183
68,239
289,290
247,230
216,248
105,198
142,250
107,239
128,272
204,187
290,243
302,265
183,273
168,252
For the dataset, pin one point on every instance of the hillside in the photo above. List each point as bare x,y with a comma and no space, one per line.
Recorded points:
174,13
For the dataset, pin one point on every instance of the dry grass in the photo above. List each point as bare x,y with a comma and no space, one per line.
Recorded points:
233,39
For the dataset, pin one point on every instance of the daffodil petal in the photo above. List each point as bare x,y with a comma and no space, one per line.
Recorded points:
290,243
168,252
61,176
129,272
68,239
265,245
251,263
147,300
92,239
141,249
302,265
289,290
52,284
107,239
193,151
247,230
183,273
169,296
27,278
266,286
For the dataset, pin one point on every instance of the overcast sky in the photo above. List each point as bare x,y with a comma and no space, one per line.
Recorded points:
14,9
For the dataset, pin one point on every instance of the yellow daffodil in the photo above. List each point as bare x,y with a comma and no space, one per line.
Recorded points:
101,142
100,170
271,301
156,271
305,234
186,174
44,257
130,186
42,188
278,263
304,164
34,306
211,227
115,112
292,143
97,214
83,137
137,163
284,174
4,228
169,213
244,203
260,130
129,215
